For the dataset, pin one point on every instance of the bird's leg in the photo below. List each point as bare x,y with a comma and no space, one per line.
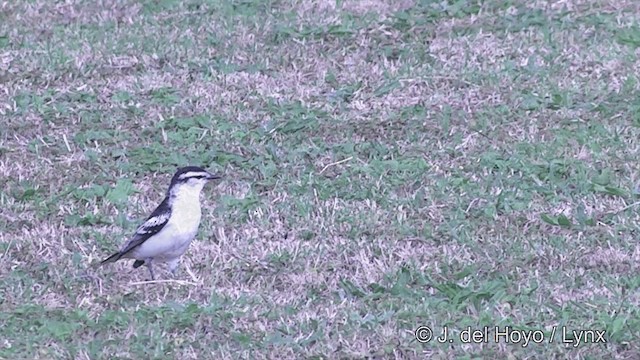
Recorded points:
148,263
173,266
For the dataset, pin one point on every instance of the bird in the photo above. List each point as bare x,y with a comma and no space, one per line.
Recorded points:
167,233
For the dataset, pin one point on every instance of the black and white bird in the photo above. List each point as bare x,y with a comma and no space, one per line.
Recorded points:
168,231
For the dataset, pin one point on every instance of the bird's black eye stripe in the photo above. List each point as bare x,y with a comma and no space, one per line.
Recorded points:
191,175
194,177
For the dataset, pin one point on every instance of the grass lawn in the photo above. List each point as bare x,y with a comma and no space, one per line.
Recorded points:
389,166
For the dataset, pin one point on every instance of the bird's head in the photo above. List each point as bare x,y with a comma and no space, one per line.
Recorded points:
190,179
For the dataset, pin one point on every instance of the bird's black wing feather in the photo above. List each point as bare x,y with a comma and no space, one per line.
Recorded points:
154,223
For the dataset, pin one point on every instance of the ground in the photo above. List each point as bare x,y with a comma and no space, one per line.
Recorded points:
388,165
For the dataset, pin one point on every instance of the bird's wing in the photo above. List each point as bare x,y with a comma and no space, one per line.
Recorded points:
154,223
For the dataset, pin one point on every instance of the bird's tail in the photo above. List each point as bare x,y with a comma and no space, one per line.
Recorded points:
113,258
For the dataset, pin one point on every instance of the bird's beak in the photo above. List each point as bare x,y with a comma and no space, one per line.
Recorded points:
211,176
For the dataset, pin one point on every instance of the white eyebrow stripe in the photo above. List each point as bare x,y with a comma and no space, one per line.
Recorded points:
192,174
